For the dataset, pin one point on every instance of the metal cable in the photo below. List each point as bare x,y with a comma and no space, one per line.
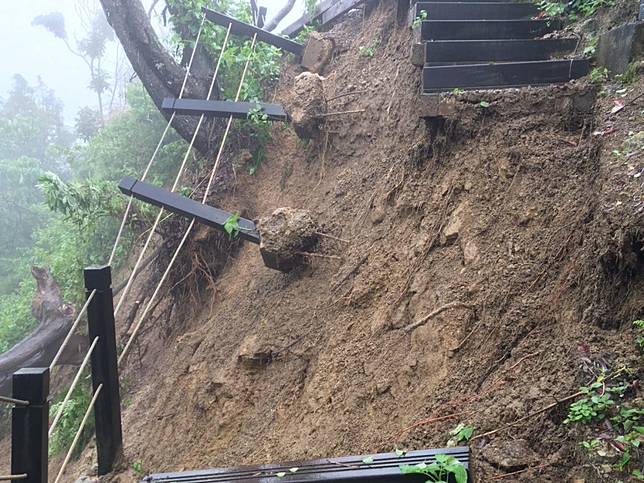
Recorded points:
22,476
72,387
192,223
129,204
176,181
72,330
78,433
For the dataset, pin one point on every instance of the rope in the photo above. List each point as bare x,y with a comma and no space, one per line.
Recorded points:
72,387
72,330
78,433
176,181
13,477
16,402
192,223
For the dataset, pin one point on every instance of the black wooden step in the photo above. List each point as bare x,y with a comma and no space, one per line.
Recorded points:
477,11
504,75
486,29
382,468
239,110
448,52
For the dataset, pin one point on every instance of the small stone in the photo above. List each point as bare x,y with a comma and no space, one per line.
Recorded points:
510,455
471,252
252,354
453,228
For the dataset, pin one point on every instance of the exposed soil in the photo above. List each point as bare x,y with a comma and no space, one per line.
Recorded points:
483,249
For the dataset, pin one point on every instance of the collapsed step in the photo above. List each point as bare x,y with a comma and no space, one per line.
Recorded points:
238,110
503,75
378,468
448,52
486,29
490,10
180,205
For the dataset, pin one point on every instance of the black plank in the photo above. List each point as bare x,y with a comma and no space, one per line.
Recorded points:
107,409
444,52
326,11
29,439
513,74
239,110
486,29
384,468
477,11
180,205
246,30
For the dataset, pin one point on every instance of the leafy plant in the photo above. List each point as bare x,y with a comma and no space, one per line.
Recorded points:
420,18
439,471
591,47
137,467
484,104
590,408
552,9
70,420
599,75
460,434
232,226
456,91
639,341
367,52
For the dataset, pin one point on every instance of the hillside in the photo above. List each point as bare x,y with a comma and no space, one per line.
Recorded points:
488,262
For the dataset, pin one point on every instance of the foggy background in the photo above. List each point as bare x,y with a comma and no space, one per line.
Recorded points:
33,52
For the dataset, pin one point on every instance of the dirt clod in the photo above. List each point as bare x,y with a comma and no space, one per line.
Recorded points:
307,105
285,234
510,455
317,53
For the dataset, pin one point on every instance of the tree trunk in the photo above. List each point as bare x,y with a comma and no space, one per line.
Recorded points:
286,9
39,349
160,74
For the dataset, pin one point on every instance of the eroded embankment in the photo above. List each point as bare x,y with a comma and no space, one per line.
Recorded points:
499,220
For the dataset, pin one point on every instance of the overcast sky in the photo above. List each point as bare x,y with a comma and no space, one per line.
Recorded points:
32,51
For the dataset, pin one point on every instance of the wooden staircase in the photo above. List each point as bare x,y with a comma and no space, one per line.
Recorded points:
492,45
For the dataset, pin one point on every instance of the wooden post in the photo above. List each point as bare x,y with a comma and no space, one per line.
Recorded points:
29,439
107,410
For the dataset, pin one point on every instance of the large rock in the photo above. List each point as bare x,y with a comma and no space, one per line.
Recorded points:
620,46
317,53
285,234
307,105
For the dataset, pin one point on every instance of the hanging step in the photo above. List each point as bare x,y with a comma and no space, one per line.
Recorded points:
486,29
239,110
452,52
504,75
477,11
248,31
180,205
381,468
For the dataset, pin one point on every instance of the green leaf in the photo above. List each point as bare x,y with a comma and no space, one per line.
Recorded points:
232,226
400,453
484,104
368,460
294,469
280,474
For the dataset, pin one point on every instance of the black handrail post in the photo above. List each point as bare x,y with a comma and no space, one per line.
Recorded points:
107,410
29,439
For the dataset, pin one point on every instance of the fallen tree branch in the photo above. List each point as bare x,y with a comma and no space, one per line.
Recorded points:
423,321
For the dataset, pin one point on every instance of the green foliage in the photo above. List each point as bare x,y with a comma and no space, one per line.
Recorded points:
137,467
639,341
599,75
456,91
460,434
575,8
439,471
484,104
631,74
70,420
367,52
592,407
418,21
232,226
591,47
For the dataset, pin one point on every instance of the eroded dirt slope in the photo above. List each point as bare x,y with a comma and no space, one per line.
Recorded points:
513,223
